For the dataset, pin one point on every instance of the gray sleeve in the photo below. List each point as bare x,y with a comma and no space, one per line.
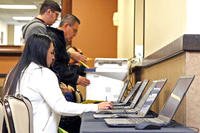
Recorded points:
35,28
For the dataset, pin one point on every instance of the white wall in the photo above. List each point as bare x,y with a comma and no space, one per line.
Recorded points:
125,28
3,28
193,19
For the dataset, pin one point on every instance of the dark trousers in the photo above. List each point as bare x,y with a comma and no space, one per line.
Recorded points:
70,123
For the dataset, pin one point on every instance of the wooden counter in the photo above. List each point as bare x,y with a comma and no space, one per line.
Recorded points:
9,55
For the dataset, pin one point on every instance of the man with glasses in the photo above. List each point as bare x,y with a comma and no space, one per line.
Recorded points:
70,75
71,24
49,12
62,35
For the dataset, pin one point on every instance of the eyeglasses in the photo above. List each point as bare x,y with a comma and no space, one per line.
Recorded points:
74,30
56,13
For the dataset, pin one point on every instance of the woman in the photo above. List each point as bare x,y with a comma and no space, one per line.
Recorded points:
34,80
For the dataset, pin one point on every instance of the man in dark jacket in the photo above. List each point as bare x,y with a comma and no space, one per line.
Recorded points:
62,35
67,74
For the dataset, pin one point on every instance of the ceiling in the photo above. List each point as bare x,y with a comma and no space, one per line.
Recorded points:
7,14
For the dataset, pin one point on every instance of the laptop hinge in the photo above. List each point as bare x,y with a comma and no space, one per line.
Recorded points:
164,119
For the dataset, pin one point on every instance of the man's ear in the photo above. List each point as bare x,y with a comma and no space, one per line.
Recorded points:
48,11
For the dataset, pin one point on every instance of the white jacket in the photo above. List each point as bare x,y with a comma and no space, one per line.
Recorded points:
40,86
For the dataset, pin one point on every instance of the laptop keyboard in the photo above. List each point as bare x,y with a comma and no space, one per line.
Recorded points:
138,120
130,121
154,120
120,121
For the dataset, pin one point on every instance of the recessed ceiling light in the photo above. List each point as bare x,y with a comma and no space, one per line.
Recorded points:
18,7
23,18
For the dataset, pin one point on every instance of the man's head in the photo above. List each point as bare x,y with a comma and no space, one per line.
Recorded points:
69,24
49,11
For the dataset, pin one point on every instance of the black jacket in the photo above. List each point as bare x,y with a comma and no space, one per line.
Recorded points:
64,72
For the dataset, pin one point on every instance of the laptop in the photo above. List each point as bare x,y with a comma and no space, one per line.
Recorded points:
144,106
167,112
139,105
132,92
136,97
120,98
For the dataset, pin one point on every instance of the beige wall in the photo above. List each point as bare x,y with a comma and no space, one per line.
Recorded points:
125,29
139,28
193,99
97,36
139,22
165,21
10,34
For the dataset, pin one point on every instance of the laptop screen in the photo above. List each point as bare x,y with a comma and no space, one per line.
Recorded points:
135,87
139,93
152,96
176,96
123,90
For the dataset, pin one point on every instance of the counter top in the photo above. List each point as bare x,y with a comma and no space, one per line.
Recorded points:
187,42
10,50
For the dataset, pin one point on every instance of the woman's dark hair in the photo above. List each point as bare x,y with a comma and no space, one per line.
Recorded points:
49,4
35,50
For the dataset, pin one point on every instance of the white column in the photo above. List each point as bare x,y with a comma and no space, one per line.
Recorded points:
193,16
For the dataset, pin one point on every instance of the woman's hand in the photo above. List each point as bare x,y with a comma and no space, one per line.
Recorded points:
104,105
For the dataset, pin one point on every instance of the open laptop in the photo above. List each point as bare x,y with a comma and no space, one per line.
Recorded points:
139,105
136,97
120,98
132,92
144,106
166,114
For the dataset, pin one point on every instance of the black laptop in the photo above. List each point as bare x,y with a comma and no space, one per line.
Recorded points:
120,98
139,105
166,114
136,97
144,106
132,92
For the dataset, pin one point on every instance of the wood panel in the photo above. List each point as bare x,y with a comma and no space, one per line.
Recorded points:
9,56
97,36
7,63
66,7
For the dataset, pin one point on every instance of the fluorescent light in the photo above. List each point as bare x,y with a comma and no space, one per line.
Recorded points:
18,7
23,18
